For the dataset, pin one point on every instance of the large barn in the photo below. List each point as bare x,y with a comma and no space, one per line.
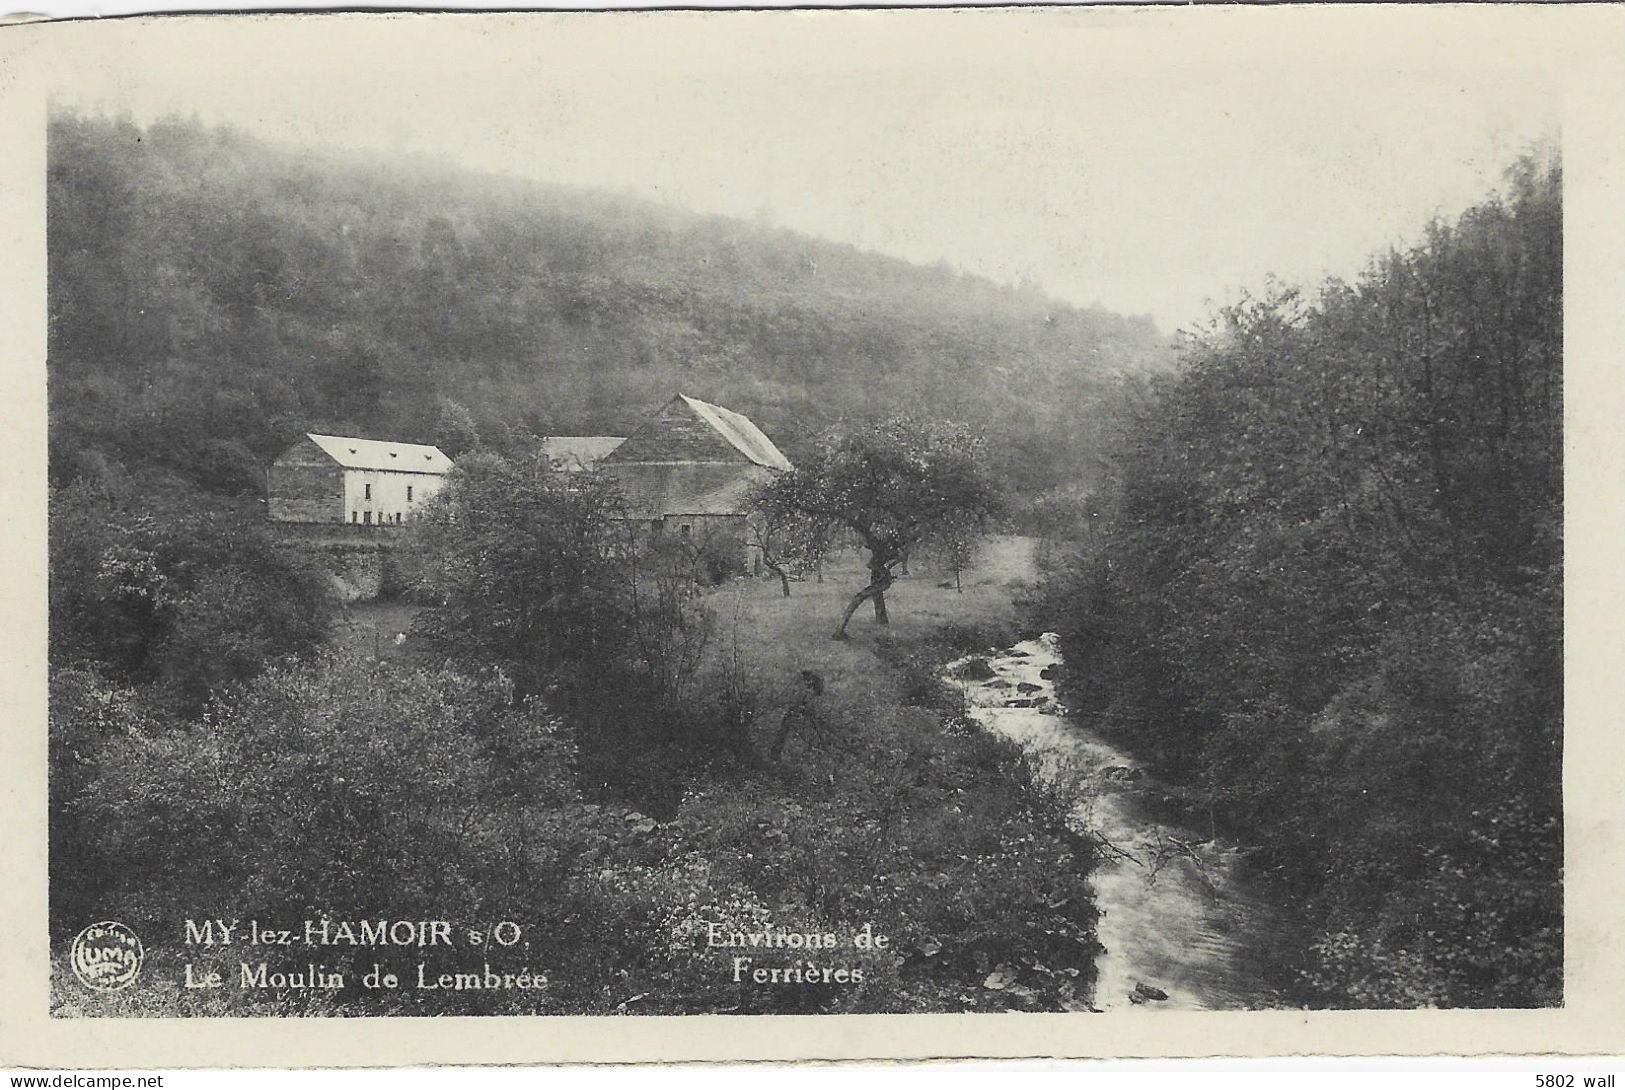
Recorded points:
689,470
368,482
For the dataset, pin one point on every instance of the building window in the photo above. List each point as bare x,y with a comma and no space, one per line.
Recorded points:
685,529
366,517
408,493
366,491
355,516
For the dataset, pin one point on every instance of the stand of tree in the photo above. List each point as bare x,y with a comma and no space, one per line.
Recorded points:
1326,595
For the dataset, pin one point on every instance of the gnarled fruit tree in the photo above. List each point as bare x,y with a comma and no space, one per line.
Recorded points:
890,483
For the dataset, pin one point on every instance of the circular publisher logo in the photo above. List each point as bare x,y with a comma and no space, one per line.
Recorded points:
106,956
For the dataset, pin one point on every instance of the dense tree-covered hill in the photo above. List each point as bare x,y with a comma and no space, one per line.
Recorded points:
212,296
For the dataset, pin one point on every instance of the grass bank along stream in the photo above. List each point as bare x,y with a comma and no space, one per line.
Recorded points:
889,806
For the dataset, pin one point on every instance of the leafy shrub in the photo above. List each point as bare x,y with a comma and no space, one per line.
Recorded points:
164,586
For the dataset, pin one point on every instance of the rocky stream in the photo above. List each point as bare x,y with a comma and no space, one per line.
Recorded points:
1181,926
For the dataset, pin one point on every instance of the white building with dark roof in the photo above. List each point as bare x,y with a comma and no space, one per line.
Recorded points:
370,482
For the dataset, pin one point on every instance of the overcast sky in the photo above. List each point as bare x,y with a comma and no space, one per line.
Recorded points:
1151,162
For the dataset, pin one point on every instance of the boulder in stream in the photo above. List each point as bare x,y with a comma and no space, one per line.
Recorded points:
1143,993
974,669
1027,687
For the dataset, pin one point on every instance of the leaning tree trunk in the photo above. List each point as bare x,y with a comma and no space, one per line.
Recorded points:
880,577
851,608
784,577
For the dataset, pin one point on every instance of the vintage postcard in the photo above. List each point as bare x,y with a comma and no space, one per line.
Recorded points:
765,535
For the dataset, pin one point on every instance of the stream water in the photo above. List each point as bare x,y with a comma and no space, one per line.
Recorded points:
1177,916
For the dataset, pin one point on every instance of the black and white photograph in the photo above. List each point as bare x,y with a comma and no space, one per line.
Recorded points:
1054,511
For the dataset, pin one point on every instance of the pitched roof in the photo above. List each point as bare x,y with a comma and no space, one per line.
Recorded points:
656,489
746,437
381,454
579,451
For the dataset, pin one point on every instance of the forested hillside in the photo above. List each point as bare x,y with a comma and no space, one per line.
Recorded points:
211,297
1326,597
